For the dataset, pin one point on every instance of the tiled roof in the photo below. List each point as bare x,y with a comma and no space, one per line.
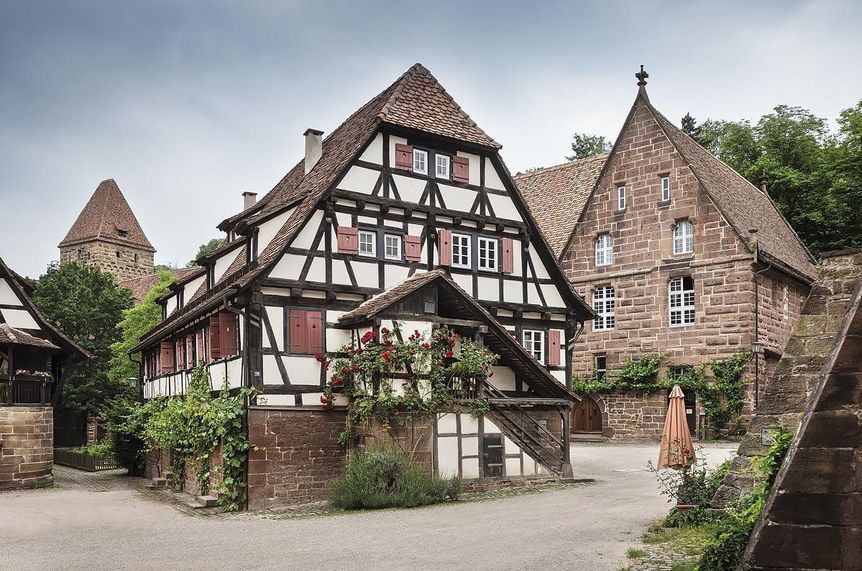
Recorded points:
743,205
11,336
141,285
371,307
107,216
557,195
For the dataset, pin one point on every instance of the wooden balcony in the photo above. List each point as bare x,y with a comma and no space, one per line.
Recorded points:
25,390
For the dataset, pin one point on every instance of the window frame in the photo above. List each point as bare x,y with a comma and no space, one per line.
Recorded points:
677,303
480,240
359,234
607,251
534,336
424,154
448,175
400,241
621,197
607,311
596,369
665,188
686,241
468,241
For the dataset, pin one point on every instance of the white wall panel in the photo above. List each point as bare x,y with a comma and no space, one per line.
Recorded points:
475,178
470,468
470,444
552,296
359,179
276,320
541,270
394,275
268,230
305,238
336,338
513,467
393,140
503,379
447,455
317,271
504,207
7,295
492,179
459,199
410,189
465,281
190,288
447,423
513,291
339,272
19,319
489,289
171,304
517,255
374,152
302,370
366,274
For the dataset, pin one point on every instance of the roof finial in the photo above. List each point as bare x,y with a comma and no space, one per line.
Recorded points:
642,77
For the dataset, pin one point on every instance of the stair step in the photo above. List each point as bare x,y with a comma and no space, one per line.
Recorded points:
208,501
158,483
586,437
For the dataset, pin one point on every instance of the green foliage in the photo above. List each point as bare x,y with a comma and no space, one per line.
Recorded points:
104,448
635,375
137,321
584,146
86,305
205,249
376,479
128,421
692,485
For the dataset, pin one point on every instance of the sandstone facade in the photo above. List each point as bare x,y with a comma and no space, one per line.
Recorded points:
123,261
26,447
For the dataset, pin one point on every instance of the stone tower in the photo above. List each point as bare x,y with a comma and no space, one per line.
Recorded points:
107,235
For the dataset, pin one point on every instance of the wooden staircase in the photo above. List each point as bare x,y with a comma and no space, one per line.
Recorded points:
533,438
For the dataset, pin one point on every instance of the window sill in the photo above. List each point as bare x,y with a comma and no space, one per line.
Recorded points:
665,204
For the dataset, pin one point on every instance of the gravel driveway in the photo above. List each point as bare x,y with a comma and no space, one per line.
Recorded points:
78,525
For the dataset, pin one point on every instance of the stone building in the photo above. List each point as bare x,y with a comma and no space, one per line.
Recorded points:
679,255
107,234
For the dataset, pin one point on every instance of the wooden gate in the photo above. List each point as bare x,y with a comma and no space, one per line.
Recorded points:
586,416
493,455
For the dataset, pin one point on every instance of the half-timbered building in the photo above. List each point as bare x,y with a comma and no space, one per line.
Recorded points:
406,212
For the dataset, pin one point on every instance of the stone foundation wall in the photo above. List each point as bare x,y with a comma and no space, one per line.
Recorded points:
295,454
632,416
26,447
416,439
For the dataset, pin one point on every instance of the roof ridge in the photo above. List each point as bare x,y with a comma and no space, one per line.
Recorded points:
543,170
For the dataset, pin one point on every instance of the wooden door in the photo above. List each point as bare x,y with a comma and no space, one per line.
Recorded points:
492,452
586,416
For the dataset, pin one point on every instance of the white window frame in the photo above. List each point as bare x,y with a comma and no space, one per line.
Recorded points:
604,250
366,233
420,161
621,198
604,304
596,369
488,245
665,188
683,237
680,302
447,163
461,248
399,252
534,342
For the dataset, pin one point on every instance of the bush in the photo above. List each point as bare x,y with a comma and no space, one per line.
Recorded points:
127,420
376,479
695,484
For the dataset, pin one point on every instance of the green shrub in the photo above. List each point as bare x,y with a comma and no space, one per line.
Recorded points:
127,420
376,479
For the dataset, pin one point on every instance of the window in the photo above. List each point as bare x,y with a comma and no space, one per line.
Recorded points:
604,250
665,188
683,237
392,247
677,373
600,366
442,162
681,301
367,243
621,198
488,254
603,304
305,331
534,343
460,250
420,161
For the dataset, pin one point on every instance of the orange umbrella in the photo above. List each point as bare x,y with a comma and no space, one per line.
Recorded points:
677,449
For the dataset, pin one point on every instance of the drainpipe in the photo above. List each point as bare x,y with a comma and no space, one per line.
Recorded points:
756,347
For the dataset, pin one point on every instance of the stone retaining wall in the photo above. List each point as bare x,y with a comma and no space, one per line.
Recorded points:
26,446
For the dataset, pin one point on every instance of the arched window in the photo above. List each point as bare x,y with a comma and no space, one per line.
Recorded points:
683,237
604,250
681,301
603,304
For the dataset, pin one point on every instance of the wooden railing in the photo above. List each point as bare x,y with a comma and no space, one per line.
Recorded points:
25,390
84,461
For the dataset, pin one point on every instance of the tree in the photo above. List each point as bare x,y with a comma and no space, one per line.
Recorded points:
87,305
584,146
205,249
137,321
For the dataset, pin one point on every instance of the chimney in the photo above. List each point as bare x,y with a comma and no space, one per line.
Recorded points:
313,148
249,199
764,182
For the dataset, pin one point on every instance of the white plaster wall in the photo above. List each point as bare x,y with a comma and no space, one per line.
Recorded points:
268,230
459,199
475,177
190,288
513,291
393,140
359,179
7,294
288,267
552,296
305,238
394,274
492,178
20,319
503,206
171,304
447,455
366,274
302,370
410,189
489,289
374,152
465,281
339,272
317,271
276,320
517,255
541,270
503,379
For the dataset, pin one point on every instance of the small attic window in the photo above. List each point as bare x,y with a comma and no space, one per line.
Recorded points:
122,233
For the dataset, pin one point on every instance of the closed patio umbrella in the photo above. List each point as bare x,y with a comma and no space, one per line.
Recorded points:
677,449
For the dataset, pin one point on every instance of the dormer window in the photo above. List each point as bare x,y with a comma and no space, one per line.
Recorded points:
442,162
420,161
122,233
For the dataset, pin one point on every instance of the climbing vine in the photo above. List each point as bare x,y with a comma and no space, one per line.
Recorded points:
395,380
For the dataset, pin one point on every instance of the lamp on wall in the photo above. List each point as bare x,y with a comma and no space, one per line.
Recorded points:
757,348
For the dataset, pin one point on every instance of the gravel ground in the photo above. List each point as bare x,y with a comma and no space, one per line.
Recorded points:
80,524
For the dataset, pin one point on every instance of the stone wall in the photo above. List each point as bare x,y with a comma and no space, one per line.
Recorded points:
123,262
26,447
813,516
632,416
295,454
415,439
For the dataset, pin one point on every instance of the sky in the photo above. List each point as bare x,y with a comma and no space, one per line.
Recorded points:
188,104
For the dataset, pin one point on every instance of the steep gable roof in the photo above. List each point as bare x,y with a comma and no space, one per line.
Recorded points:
107,216
557,195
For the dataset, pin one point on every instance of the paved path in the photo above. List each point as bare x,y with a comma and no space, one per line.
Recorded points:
584,527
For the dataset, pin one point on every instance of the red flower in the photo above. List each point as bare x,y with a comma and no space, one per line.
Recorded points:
319,357
355,367
384,331
387,356
369,335
685,452
345,370
325,399
337,381
416,333
426,345
449,354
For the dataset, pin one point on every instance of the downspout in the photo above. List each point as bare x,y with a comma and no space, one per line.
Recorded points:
756,347
140,381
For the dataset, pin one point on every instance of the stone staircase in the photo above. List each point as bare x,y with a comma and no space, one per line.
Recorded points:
786,392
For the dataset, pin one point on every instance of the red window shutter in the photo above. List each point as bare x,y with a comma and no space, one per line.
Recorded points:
166,357
404,157
179,355
412,248
460,169
228,331
298,332
554,347
507,259
199,336
190,351
444,246
314,331
348,240
215,337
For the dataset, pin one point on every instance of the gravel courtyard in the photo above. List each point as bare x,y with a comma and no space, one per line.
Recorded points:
101,522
